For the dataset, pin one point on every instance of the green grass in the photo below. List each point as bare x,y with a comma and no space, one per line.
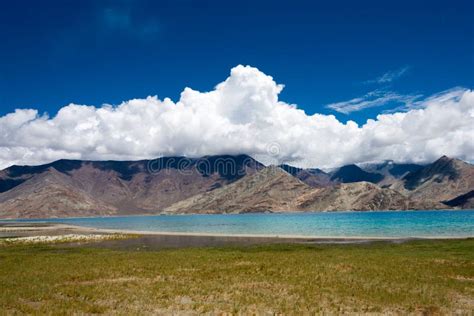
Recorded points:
422,277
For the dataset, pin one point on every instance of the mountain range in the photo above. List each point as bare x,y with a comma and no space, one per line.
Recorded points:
227,184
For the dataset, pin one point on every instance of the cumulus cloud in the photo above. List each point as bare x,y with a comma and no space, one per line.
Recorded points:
241,115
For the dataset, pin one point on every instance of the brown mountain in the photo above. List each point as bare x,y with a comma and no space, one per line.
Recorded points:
83,188
221,184
271,189
442,180
359,196
50,194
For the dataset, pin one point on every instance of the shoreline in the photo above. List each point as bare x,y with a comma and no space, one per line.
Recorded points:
276,236
160,239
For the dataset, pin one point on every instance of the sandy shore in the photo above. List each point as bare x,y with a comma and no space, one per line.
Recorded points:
28,229
155,240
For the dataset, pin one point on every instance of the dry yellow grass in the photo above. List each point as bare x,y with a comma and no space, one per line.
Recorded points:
430,277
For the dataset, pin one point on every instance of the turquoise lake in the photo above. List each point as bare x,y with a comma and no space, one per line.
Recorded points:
330,224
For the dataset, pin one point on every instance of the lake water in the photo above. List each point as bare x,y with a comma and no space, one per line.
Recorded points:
331,224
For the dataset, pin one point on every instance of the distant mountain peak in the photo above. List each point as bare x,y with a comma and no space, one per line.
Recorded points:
444,158
353,173
313,177
290,169
444,179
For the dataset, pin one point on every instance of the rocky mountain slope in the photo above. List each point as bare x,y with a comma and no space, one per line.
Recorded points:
463,201
226,184
443,180
80,188
50,194
271,189
359,196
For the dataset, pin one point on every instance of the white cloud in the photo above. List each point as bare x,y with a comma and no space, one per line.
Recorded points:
241,115
389,76
373,99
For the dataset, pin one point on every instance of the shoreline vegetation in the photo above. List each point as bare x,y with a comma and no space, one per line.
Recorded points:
24,230
416,276
68,238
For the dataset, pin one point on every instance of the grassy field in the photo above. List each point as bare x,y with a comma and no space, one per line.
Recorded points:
427,277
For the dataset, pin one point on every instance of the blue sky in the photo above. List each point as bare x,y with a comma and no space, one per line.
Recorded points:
94,52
